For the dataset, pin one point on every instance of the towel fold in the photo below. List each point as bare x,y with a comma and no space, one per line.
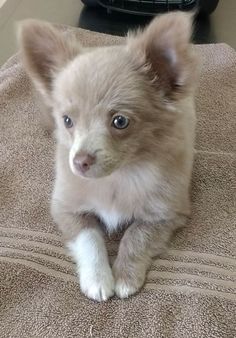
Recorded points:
190,290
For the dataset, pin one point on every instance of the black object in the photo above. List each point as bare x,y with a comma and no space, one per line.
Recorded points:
152,7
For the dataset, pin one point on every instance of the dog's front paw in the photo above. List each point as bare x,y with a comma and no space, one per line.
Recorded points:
98,285
124,288
128,280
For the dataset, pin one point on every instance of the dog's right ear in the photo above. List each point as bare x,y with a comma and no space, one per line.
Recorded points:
45,51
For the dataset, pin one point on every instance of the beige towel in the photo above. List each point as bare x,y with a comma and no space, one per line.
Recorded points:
190,290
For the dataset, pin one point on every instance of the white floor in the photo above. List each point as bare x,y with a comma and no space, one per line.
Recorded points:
11,11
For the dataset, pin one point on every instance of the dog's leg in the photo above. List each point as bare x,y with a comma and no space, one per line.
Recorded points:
139,244
87,246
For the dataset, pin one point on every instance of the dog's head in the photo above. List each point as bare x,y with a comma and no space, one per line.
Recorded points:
112,104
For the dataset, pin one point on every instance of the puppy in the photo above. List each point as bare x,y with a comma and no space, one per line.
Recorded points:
125,119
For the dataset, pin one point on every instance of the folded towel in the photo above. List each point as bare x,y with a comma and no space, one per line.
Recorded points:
190,290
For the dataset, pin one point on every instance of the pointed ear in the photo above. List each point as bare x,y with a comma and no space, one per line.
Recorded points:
164,52
45,51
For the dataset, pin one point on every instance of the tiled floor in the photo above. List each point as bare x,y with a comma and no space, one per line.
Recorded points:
221,27
60,11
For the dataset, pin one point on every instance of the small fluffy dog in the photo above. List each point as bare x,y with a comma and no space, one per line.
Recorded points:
125,123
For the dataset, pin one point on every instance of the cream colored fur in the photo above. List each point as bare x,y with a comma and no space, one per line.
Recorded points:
141,175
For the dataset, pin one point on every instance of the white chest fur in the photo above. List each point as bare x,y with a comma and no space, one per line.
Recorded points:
111,218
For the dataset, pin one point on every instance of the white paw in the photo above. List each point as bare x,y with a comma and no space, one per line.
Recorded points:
97,286
89,252
124,289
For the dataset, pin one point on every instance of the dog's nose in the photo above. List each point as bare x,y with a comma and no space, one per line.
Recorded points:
83,162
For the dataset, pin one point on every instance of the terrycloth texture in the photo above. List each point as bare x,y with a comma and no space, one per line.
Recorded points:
190,290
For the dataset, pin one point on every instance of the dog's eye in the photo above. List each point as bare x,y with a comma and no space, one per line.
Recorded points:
67,121
120,122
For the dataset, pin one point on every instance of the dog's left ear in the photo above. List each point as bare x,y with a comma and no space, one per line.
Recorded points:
45,51
163,51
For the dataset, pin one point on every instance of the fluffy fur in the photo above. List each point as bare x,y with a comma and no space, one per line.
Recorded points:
141,174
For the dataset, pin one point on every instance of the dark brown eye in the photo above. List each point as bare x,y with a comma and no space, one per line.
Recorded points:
120,122
67,121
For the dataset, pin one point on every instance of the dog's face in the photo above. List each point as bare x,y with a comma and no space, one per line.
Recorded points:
111,104
103,110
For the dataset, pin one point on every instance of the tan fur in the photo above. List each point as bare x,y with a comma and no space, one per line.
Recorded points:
141,176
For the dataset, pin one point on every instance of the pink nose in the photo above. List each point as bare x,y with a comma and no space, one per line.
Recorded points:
83,162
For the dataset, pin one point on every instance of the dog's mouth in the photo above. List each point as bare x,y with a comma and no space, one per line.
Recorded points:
93,172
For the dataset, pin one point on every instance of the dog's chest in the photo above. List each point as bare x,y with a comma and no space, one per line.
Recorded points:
113,205
119,204
119,201
111,218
